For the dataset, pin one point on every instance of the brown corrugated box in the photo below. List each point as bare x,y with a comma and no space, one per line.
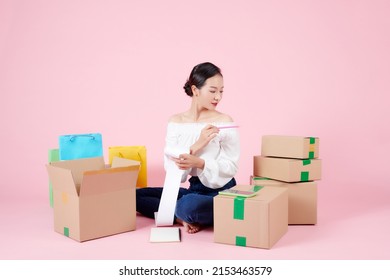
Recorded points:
302,199
290,146
92,201
263,181
302,203
258,221
286,169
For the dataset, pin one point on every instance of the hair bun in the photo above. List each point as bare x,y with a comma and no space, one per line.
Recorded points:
187,88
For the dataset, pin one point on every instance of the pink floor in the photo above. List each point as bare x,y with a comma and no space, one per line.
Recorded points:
353,224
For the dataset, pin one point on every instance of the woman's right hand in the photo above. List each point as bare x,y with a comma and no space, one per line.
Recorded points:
208,133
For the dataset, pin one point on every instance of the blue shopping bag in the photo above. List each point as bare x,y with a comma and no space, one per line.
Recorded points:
77,146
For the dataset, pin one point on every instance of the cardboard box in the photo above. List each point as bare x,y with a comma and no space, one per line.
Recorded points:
287,170
263,181
302,203
302,199
290,146
91,201
258,221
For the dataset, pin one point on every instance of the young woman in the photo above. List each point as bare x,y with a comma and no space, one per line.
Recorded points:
212,161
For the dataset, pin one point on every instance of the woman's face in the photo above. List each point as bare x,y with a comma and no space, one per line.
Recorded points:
210,94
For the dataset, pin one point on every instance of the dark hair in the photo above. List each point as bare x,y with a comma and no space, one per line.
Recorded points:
199,74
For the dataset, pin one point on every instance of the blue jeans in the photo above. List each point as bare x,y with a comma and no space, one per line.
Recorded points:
194,205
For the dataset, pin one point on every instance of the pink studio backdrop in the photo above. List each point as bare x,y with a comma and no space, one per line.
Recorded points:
310,68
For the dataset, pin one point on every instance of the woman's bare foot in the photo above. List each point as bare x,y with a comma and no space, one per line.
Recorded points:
190,228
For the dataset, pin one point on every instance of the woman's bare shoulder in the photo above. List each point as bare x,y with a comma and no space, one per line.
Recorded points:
224,118
177,118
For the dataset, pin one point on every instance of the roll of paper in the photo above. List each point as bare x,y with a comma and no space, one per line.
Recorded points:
166,210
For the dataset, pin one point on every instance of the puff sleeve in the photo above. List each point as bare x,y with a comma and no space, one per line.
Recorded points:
221,168
173,142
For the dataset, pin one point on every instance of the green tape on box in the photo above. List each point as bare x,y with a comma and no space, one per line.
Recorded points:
238,211
312,140
257,188
304,176
311,155
241,241
306,161
51,195
54,155
261,178
66,231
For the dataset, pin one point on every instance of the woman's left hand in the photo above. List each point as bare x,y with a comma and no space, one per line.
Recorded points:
187,161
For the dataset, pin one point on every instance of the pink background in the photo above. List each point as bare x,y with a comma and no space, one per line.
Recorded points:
310,68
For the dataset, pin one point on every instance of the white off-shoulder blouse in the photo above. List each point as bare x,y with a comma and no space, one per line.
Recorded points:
221,155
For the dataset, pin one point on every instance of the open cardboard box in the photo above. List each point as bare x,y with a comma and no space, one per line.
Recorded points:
92,200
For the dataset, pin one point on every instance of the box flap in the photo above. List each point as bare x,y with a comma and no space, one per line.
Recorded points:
123,162
109,180
79,166
61,179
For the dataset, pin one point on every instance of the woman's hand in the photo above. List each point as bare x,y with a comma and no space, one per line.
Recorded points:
208,133
186,161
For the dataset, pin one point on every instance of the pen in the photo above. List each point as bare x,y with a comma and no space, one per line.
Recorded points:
227,126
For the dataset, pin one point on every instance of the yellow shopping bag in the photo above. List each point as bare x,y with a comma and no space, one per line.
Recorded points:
137,153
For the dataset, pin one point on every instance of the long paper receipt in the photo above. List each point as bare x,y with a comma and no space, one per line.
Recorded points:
166,210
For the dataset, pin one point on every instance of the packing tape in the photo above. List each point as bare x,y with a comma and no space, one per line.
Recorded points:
304,176
239,205
241,241
257,188
238,208
66,231
312,147
261,178
51,195
64,198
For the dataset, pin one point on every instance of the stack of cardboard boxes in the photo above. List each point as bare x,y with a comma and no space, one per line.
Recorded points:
291,162
286,193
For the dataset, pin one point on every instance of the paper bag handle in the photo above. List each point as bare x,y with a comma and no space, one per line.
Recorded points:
81,135
121,155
